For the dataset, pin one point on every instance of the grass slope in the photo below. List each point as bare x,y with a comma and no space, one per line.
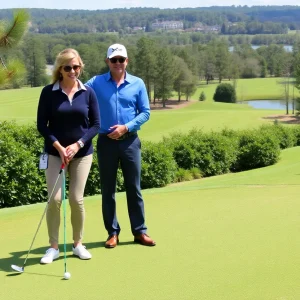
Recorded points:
21,105
207,116
229,237
251,89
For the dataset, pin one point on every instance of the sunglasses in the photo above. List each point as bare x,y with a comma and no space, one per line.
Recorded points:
121,60
69,68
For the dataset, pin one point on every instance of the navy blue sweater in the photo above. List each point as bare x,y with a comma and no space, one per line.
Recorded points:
60,120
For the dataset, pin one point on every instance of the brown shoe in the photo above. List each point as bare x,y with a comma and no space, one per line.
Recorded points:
144,239
112,241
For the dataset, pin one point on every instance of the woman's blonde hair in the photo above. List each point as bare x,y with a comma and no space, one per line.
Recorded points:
62,59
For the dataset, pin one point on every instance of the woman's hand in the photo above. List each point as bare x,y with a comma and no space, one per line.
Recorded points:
62,153
71,150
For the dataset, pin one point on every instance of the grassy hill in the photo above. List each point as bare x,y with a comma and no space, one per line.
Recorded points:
21,105
229,237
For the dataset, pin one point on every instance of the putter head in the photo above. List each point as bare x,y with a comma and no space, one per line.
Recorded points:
17,268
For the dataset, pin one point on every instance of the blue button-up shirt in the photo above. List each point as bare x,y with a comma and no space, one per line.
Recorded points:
127,104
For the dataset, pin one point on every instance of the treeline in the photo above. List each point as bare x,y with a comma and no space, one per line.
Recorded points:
254,27
165,68
236,20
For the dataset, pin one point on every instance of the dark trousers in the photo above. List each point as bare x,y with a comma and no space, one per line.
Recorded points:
127,153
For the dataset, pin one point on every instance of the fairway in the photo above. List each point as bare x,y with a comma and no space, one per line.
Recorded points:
229,237
252,89
19,105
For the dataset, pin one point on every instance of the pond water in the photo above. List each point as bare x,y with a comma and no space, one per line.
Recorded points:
268,104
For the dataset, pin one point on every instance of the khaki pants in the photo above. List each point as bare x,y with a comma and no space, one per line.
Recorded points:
78,170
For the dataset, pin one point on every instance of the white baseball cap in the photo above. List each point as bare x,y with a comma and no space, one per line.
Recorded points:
116,50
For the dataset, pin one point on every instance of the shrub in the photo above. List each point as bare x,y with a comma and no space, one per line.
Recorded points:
196,173
225,92
211,153
183,175
20,180
285,135
27,135
202,96
296,131
215,154
257,149
158,165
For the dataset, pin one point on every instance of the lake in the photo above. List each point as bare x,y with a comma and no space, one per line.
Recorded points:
287,48
268,104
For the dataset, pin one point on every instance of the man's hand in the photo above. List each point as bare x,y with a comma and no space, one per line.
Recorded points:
118,131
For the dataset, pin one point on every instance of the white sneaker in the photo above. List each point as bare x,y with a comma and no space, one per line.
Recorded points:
50,255
81,252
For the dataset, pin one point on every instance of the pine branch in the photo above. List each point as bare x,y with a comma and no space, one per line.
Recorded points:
15,31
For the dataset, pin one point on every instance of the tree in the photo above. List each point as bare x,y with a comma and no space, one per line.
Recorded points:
10,36
145,61
35,62
202,96
190,87
222,60
286,67
225,92
183,75
296,75
251,68
209,63
297,70
164,75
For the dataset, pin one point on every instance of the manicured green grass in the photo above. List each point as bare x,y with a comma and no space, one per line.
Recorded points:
205,115
251,89
229,237
19,105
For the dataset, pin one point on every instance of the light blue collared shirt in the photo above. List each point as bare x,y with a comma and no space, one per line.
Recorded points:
127,104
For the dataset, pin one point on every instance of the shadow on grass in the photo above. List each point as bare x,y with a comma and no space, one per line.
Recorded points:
18,258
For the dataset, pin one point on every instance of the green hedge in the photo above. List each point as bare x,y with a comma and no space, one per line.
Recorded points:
213,153
177,158
257,149
158,165
20,180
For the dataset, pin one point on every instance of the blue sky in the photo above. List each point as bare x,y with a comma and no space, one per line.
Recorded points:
100,4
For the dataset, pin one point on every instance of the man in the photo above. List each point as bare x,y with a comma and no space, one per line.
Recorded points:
124,108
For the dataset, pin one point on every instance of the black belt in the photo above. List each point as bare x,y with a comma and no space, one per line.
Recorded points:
122,137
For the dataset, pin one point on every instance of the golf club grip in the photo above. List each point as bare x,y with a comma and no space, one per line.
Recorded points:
61,168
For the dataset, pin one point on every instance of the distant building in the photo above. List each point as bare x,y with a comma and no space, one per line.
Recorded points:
199,27
167,25
137,28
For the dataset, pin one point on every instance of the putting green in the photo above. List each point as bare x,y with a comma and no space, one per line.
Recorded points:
229,237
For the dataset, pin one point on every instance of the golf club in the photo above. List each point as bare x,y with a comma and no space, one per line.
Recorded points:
67,275
21,269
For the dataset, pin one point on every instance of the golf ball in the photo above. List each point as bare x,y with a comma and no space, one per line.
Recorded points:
67,275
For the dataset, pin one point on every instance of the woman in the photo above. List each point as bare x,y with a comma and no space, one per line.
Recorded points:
68,119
